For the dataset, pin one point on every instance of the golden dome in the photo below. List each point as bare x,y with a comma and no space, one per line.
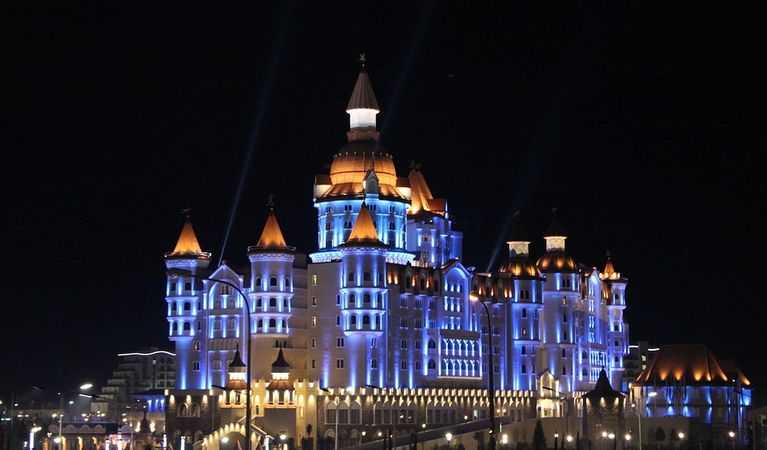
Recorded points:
271,236
356,159
519,268
187,244
556,261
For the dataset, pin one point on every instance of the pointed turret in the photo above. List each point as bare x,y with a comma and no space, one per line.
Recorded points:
271,239
519,242
187,246
364,231
421,198
237,372
362,107
555,235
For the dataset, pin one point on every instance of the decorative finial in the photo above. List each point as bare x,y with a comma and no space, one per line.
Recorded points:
187,213
363,60
270,202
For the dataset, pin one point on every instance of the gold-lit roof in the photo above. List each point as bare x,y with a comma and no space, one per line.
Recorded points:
352,167
556,261
187,244
357,189
421,198
364,230
521,268
609,273
685,364
271,236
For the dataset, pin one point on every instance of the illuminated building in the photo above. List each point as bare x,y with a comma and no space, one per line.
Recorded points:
687,387
382,327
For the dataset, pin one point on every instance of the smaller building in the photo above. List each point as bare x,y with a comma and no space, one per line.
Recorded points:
687,393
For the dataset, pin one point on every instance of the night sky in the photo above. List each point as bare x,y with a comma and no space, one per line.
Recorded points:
643,125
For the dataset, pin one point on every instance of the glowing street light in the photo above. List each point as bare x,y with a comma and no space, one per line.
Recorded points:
611,436
283,437
627,437
731,434
225,440
680,435
448,436
86,386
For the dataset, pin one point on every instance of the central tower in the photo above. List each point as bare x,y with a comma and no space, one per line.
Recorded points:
361,172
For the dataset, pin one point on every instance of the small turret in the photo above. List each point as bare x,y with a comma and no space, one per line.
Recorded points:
237,373
362,107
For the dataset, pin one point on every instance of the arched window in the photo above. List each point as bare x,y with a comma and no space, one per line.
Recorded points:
260,324
273,281
258,283
365,321
378,322
351,299
272,323
432,344
353,321
366,299
432,364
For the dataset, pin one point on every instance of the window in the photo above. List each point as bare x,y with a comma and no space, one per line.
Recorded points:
196,365
365,321
338,300
187,306
272,302
284,303
338,321
196,346
314,321
314,342
259,304
403,344
418,365
216,364
564,353
351,300
353,321
403,323
339,364
366,299
187,326
314,301
272,323
373,363
524,313
314,364
418,323
432,344
366,276
524,294
273,281
524,368
564,317
258,282
524,349
403,365
564,370
340,342
432,364
315,280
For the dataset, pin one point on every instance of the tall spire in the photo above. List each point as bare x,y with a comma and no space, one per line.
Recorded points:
271,236
555,235
363,106
187,244
519,243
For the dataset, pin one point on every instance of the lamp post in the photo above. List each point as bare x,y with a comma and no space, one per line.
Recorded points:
638,411
491,388
180,272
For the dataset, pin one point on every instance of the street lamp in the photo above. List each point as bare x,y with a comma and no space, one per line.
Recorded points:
362,435
448,437
490,369
32,436
86,386
180,272
680,435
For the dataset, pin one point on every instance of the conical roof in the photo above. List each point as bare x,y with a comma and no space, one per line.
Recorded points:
602,388
271,236
187,244
363,96
236,361
421,198
364,230
280,364
518,231
555,227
